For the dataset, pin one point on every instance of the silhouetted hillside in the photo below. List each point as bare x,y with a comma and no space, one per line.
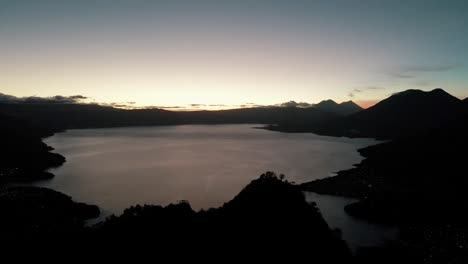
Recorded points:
403,114
345,108
418,183
420,166
268,213
63,116
31,212
268,218
23,155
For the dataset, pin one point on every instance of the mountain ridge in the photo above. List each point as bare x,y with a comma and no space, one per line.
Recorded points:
406,113
344,108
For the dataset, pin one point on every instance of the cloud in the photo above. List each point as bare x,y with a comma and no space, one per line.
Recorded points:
411,71
58,99
433,68
217,105
402,75
251,105
295,104
120,105
207,105
163,107
78,97
355,91
422,83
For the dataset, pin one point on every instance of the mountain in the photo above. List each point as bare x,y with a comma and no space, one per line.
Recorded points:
58,117
23,155
402,114
350,107
345,108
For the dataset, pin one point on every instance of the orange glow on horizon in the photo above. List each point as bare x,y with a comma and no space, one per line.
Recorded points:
366,103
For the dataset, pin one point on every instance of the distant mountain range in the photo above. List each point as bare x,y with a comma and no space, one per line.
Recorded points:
408,112
402,114
412,112
66,116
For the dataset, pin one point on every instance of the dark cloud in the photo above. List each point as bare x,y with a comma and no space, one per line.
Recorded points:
165,107
295,104
120,105
58,99
114,104
78,97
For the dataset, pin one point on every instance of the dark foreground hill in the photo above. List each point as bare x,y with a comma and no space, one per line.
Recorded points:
269,213
32,212
23,155
430,167
417,183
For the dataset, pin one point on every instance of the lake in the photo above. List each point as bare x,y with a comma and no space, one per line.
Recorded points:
204,164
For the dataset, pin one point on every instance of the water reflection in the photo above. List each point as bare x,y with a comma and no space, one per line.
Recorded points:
358,233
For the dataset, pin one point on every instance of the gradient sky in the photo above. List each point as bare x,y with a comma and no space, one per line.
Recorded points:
167,53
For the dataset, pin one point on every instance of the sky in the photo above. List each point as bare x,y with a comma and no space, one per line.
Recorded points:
232,53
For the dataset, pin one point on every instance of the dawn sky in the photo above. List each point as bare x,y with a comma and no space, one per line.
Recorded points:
168,53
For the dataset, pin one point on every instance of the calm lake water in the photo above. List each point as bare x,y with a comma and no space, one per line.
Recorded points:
204,164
